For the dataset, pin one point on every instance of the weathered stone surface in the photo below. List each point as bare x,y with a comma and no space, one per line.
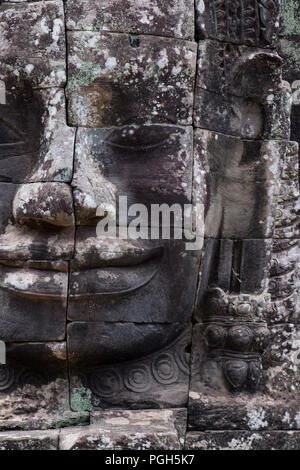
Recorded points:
123,430
251,22
159,18
55,158
216,404
114,80
147,164
34,303
235,266
287,223
284,282
243,440
290,52
241,182
25,440
34,389
159,380
33,42
36,144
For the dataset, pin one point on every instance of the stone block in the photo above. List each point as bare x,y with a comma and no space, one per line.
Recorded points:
158,18
114,80
33,43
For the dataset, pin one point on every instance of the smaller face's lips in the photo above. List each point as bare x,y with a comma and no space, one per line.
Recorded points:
45,265
35,283
92,274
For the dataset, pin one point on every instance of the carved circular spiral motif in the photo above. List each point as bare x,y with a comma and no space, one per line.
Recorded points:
215,336
138,379
182,357
105,383
240,338
164,369
7,378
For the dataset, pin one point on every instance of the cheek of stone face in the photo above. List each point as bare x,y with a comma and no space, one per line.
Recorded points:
149,282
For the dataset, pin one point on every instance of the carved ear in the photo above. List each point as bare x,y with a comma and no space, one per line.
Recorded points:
255,74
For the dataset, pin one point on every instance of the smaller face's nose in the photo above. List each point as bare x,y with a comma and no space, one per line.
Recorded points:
44,205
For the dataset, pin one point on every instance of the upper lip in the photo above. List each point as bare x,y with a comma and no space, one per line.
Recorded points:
104,259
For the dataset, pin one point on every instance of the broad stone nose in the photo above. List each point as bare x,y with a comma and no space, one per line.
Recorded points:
44,205
90,207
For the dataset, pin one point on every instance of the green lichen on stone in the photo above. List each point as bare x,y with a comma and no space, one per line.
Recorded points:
291,52
70,419
63,176
81,399
85,76
290,17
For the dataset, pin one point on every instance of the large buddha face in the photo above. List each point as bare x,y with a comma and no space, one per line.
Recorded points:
125,130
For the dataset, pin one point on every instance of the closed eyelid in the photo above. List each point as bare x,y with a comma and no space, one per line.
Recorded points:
136,147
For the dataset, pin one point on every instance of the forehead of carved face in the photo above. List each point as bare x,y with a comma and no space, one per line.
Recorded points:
82,122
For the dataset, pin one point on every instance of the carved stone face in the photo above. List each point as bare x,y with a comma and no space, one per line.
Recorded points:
161,104
131,100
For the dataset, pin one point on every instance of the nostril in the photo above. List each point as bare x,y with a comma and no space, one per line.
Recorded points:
44,205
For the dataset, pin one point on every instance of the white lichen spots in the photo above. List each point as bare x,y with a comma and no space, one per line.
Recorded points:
44,27
57,28
286,418
111,63
270,99
29,68
163,61
176,70
194,395
2,92
297,420
144,19
201,6
244,443
21,281
257,419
